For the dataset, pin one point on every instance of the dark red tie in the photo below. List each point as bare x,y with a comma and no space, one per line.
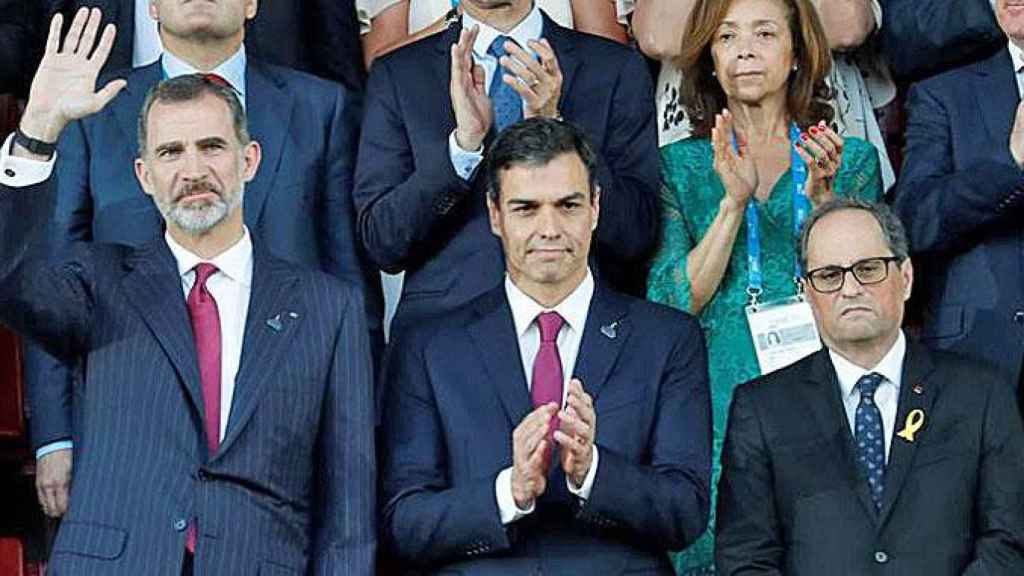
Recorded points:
202,310
547,366
217,79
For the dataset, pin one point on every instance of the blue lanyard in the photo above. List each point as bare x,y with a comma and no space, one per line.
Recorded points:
801,209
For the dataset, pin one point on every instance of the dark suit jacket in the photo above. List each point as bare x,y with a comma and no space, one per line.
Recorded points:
456,390
416,214
291,489
791,500
298,207
22,34
960,197
921,38
316,36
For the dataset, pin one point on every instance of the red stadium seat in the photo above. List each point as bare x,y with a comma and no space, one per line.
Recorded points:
12,558
12,414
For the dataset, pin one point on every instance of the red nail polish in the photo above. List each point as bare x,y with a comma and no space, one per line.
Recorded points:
813,130
803,135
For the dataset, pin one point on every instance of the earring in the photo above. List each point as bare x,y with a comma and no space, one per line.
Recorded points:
795,67
713,74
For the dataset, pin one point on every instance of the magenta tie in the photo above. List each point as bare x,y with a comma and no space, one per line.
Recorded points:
202,310
547,366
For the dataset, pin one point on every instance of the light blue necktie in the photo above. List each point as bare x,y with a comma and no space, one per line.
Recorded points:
508,105
870,437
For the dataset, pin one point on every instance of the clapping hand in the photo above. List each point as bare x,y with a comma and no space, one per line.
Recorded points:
64,87
734,164
822,150
575,436
539,84
474,113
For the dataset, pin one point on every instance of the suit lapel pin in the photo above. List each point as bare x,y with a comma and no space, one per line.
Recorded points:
275,323
609,330
293,315
918,389
914,422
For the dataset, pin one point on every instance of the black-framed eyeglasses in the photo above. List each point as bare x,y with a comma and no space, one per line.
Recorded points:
828,279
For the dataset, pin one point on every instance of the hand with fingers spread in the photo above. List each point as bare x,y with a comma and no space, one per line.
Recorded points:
539,84
474,113
53,482
734,164
575,436
531,450
64,87
822,150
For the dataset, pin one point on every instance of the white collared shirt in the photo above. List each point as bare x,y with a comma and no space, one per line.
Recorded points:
886,396
146,45
574,310
1017,57
530,28
232,70
231,287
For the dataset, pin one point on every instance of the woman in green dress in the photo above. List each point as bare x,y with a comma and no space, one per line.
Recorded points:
764,152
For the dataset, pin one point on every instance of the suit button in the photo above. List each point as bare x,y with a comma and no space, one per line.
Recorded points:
203,475
881,557
180,524
9,173
1018,316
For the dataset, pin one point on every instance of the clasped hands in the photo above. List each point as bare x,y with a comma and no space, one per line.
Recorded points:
538,83
819,147
574,431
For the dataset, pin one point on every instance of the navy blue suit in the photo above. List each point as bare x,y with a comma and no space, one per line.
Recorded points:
925,37
298,207
456,391
291,490
416,214
960,196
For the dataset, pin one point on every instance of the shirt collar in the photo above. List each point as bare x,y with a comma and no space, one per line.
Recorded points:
232,70
573,309
890,367
1017,56
235,262
530,28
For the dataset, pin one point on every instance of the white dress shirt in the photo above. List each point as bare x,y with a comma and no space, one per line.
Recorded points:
231,287
146,45
231,70
886,396
1017,56
530,28
573,309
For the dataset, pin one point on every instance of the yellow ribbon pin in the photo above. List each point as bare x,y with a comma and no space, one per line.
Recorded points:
914,422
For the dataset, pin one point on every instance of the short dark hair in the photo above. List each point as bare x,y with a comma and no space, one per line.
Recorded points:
188,88
892,229
536,142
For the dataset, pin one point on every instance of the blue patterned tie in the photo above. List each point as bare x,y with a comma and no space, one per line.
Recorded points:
508,105
870,437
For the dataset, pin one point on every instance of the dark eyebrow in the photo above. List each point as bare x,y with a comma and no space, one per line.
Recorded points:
210,141
570,198
169,146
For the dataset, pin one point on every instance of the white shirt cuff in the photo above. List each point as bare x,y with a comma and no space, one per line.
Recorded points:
22,172
507,507
463,161
53,447
583,492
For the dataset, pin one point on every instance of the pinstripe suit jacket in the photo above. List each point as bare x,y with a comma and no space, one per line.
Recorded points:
291,489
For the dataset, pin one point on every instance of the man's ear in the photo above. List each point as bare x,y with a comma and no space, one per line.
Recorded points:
143,176
907,270
252,155
494,214
595,204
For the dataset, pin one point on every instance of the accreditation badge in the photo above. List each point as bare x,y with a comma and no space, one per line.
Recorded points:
783,332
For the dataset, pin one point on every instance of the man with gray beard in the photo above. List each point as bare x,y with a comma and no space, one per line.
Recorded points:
226,413
298,205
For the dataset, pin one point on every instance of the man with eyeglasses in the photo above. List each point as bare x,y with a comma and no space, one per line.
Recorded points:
873,455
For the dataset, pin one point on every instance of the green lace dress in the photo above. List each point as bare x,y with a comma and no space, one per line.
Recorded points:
691,198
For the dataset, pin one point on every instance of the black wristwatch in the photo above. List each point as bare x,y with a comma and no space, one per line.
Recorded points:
32,145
